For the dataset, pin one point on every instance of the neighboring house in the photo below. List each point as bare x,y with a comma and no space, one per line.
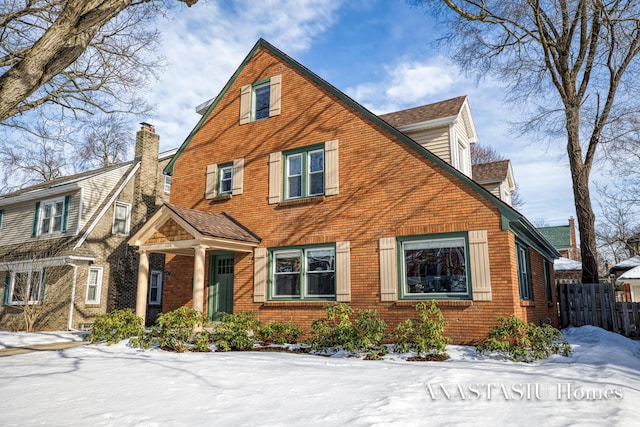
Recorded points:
63,243
497,178
290,195
563,238
625,265
629,281
633,243
567,271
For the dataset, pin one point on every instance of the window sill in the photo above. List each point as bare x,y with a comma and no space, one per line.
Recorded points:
318,304
222,198
439,302
301,201
527,303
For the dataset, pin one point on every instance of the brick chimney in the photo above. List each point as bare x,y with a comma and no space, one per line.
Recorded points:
573,252
146,152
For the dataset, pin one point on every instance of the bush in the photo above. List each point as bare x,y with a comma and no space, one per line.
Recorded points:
116,326
279,333
174,331
337,331
524,342
425,336
236,332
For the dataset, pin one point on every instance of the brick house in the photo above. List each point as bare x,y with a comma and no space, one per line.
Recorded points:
63,243
289,194
563,238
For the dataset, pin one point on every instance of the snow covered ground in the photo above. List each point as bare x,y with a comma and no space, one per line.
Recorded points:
103,385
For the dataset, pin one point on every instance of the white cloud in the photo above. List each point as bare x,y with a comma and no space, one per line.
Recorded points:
205,44
407,84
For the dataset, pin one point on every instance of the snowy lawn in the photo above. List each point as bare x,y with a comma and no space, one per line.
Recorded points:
117,385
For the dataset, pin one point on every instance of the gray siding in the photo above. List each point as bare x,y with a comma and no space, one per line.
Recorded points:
96,189
435,140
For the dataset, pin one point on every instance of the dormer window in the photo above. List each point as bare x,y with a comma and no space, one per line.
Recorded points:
51,216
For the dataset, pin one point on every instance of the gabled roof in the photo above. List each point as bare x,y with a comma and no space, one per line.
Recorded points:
634,273
627,264
194,229
491,172
511,219
434,115
437,110
215,225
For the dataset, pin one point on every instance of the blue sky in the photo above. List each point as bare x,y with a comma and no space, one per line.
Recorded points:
380,52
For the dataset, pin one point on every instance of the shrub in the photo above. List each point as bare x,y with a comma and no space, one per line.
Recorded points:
175,331
116,326
279,333
524,342
425,336
236,332
337,331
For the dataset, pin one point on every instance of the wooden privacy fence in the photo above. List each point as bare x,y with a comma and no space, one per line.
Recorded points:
594,304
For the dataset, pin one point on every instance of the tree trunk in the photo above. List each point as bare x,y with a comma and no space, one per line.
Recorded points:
582,199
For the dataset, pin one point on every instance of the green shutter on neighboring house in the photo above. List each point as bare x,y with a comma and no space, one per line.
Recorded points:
36,214
65,215
1,215
43,289
5,292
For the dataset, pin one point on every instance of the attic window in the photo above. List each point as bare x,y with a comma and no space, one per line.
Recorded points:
260,95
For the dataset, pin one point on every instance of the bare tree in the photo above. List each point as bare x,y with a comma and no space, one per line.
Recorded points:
106,141
618,221
569,59
486,154
75,55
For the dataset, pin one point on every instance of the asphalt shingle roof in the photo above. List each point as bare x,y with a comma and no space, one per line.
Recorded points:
424,113
559,236
494,171
215,225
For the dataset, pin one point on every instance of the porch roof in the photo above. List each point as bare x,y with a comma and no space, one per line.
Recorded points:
179,230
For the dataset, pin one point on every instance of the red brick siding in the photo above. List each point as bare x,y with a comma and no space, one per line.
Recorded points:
386,189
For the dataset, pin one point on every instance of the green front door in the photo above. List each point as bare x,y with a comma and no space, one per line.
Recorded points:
220,285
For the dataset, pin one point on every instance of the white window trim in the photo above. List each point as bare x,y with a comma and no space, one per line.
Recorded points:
157,273
302,252
98,285
128,219
462,151
221,170
167,184
43,205
13,283
305,173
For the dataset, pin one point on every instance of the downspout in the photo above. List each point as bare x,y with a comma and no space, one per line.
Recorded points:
73,295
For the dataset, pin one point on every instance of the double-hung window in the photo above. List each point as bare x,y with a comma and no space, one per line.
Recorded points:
304,273
155,287
260,96
121,218
51,215
524,280
26,287
94,285
225,179
167,184
435,267
304,173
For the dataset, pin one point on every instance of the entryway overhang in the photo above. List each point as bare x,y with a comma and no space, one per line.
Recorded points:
182,231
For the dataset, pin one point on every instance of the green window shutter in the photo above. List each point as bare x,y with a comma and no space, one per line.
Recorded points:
237,177
245,104
331,168
65,214
343,271
36,215
1,215
388,269
43,289
275,95
479,263
211,182
259,274
275,177
5,292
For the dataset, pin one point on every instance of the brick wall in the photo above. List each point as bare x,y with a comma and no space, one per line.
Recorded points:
386,189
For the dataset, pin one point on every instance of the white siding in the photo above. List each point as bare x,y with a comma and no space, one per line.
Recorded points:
97,189
435,140
17,222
